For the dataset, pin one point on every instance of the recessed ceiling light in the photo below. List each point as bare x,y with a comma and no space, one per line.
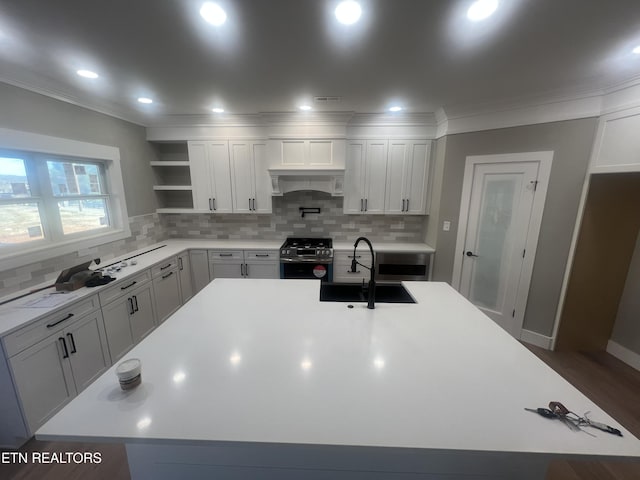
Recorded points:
145,100
217,110
213,13
87,74
395,109
348,12
636,50
305,107
481,9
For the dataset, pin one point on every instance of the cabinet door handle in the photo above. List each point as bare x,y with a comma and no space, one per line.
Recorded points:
403,200
180,266
366,204
135,302
249,204
128,286
242,269
60,321
361,205
165,267
167,275
210,205
73,343
213,201
64,346
131,310
246,270
407,205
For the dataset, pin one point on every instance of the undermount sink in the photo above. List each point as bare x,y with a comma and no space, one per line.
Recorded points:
354,292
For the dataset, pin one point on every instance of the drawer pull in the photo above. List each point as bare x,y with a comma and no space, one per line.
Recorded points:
60,321
262,254
73,343
131,310
351,256
64,346
165,267
167,275
129,286
225,254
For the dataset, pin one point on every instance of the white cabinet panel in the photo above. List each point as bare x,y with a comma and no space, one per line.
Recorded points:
354,178
88,350
227,270
184,274
375,177
118,327
166,288
262,270
407,177
250,178
143,317
293,152
44,379
199,269
210,176
321,153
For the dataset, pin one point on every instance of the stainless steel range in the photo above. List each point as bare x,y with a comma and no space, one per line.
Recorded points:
307,258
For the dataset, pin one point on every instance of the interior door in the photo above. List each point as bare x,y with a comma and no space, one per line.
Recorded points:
494,238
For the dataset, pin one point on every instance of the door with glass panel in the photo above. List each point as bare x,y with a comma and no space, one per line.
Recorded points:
500,221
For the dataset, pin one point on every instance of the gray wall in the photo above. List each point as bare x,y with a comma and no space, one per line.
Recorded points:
24,110
571,141
435,190
626,330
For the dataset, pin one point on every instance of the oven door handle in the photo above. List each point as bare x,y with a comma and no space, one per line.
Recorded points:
305,260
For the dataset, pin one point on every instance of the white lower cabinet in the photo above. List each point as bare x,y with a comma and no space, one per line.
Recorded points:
199,269
50,373
166,286
244,264
184,273
128,319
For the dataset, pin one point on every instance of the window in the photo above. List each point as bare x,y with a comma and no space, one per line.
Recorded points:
49,199
57,196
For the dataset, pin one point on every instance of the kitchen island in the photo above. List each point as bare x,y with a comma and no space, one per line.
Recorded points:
259,379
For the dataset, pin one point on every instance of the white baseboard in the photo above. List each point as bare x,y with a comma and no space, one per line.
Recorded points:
629,357
536,339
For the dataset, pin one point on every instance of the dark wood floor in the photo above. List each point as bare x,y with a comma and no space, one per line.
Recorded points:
608,382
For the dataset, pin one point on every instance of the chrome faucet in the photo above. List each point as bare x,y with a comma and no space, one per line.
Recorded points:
371,299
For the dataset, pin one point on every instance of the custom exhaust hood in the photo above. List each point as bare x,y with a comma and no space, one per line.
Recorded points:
328,180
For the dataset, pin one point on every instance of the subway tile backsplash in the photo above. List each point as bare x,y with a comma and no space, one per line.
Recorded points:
145,230
286,221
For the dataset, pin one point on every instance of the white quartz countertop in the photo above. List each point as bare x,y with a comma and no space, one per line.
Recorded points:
266,361
17,313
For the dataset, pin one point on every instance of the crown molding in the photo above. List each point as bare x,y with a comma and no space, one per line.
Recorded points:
72,100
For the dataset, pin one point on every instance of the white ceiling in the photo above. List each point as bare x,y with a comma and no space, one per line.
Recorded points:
272,55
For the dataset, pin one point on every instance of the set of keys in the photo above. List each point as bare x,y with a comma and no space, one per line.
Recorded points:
572,420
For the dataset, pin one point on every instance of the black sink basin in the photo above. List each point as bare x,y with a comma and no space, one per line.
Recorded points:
354,292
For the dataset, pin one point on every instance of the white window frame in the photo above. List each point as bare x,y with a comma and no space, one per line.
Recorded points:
64,149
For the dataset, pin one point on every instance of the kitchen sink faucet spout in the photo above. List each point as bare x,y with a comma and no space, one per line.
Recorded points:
371,299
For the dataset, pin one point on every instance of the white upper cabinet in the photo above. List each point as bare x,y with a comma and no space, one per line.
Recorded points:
312,154
365,177
389,177
250,178
617,144
211,176
407,177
